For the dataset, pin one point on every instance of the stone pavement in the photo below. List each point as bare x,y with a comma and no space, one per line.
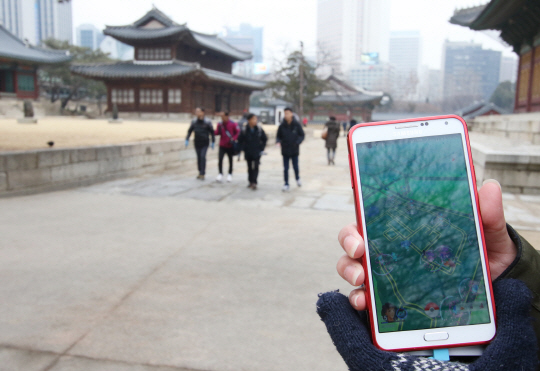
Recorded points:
165,272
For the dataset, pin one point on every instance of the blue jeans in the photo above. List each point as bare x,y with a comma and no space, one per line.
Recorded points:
201,158
286,160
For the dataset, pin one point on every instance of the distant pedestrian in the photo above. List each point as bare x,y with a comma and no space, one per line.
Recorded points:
241,123
289,136
304,121
344,124
253,141
332,135
352,123
228,131
203,130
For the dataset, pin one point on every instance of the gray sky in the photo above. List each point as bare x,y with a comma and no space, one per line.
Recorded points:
286,22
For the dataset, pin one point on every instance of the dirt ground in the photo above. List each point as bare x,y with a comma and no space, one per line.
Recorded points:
78,132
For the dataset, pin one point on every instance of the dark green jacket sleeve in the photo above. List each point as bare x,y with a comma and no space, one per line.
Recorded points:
526,267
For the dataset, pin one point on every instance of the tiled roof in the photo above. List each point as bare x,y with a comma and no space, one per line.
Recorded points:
136,32
130,70
12,47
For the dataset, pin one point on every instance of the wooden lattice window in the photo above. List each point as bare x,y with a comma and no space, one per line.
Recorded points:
122,96
151,96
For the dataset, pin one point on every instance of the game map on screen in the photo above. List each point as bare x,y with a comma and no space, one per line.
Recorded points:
422,238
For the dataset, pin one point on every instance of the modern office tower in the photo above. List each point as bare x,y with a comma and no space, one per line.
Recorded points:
249,39
509,66
379,77
89,36
405,52
348,29
37,20
470,72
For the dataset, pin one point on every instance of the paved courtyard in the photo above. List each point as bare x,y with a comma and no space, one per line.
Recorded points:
165,272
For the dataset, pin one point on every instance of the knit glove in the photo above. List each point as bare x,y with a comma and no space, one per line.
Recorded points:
514,347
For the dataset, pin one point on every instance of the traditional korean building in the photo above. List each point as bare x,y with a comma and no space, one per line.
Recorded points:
175,70
519,23
344,102
19,63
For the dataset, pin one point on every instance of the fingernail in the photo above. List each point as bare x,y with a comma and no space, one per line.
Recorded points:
492,181
351,245
352,273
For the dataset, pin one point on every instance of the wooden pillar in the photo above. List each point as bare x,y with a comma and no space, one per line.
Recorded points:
15,81
518,83
530,82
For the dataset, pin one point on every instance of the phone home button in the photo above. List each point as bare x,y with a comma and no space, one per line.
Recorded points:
434,336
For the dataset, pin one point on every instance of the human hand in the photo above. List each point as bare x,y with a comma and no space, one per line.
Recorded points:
186,142
500,248
514,347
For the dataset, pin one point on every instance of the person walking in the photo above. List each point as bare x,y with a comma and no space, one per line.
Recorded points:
228,132
332,134
344,123
203,130
253,141
352,123
289,136
241,123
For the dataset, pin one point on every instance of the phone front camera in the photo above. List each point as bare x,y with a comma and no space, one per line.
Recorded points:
427,123
422,124
446,122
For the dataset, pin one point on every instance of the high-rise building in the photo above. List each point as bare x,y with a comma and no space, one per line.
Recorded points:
470,72
37,20
405,51
378,77
509,66
89,36
248,39
348,29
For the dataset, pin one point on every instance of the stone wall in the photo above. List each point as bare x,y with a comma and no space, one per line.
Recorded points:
523,127
516,172
24,172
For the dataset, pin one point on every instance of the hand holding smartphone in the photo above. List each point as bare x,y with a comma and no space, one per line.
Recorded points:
427,282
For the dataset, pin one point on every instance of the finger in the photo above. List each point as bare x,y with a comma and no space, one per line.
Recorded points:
351,241
501,250
357,298
350,270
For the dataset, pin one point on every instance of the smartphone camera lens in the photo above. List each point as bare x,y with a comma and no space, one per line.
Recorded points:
446,122
421,124
427,123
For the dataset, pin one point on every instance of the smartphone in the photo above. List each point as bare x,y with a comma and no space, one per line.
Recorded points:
427,279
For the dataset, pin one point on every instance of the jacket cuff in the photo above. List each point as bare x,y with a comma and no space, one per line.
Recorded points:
525,267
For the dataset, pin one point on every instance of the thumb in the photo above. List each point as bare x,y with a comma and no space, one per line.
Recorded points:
350,334
501,250
515,346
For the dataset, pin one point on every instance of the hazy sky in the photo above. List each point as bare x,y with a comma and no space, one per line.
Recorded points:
286,22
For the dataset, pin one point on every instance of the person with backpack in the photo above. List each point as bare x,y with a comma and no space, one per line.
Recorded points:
241,123
228,130
332,134
252,140
289,136
203,130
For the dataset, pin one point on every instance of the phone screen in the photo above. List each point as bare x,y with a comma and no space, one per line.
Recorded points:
422,237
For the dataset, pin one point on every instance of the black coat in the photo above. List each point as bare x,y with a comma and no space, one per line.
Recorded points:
252,143
290,136
203,129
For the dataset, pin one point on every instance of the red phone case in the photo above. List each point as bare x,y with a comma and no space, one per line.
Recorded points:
352,168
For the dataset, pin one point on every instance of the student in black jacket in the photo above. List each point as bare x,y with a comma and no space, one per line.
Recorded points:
203,129
289,135
253,141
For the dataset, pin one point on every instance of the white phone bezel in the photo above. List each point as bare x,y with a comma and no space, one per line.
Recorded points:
459,335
